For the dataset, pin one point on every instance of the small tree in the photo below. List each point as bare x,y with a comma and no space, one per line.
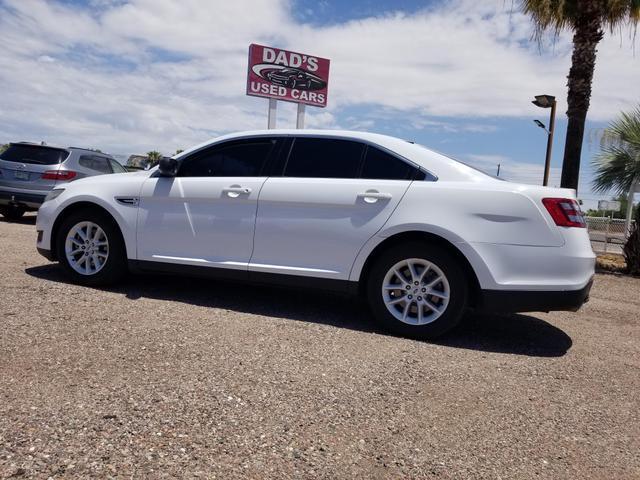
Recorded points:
153,157
3,147
631,249
617,166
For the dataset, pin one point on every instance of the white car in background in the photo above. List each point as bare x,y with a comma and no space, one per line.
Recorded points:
420,235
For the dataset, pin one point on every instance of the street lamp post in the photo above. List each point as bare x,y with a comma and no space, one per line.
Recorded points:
547,101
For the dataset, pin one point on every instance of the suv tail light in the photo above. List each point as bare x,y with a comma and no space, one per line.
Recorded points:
565,212
63,175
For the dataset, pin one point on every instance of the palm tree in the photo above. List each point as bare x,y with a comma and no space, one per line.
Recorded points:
617,166
587,19
153,157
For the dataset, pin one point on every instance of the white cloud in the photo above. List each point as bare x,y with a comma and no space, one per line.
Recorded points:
131,76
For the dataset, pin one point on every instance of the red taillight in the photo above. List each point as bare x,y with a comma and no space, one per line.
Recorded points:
62,175
565,212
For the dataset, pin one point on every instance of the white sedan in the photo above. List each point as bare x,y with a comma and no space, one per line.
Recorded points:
423,237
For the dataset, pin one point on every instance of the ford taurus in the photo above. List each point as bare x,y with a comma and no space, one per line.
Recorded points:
421,236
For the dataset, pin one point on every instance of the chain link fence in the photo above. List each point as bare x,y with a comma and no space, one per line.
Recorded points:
607,234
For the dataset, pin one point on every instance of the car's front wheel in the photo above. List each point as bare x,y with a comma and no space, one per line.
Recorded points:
417,290
90,248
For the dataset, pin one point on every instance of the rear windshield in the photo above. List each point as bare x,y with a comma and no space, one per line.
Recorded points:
34,154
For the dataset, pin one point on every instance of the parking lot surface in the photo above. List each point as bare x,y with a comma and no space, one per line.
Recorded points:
166,377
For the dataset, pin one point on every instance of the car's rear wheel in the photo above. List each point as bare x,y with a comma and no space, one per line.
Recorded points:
417,290
12,212
90,248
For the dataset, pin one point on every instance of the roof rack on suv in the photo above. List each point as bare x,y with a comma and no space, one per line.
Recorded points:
95,150
36,144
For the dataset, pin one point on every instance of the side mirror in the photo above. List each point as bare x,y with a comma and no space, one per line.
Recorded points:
168,167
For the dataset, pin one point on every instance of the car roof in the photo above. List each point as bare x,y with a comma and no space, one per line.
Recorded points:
90,150
34,144
288,132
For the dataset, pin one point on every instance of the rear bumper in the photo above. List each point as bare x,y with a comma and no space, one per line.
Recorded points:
512,301
30,200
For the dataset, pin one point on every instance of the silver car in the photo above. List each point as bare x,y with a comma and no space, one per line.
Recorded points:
28,171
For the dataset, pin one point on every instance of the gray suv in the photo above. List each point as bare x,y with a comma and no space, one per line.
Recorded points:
28,171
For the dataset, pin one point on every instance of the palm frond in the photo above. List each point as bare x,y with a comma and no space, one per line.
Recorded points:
619,12
618,163
547,15
623,130
615,170
557,15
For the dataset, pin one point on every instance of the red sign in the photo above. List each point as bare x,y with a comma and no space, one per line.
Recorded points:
290,76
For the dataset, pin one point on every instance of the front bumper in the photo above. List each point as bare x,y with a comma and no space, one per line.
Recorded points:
512,301
48,254
44,225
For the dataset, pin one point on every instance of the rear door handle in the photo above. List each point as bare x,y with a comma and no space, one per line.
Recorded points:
373,196
235,192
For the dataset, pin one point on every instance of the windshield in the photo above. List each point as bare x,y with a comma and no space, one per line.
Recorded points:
36,154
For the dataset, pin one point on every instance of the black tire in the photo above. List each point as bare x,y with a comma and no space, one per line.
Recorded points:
12,212
441,258
115,266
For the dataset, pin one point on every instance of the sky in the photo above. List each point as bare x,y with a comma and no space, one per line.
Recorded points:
457,76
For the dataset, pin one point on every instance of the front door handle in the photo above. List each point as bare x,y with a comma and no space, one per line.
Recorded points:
235,191
372,196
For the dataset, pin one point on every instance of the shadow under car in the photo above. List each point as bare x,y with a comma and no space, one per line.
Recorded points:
503,333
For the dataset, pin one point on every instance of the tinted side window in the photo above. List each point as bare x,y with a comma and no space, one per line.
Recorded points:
379,165
243,158
324,158
99,164
116,167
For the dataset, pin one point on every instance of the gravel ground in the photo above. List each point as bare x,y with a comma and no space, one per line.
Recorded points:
170,377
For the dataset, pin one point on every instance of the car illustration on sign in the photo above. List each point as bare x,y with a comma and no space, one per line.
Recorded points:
295,78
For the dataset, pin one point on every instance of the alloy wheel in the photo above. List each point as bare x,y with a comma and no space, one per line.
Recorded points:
86,248
415,291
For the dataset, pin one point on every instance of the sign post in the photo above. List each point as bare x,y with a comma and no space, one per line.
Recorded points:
271,116
279,74
300,116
